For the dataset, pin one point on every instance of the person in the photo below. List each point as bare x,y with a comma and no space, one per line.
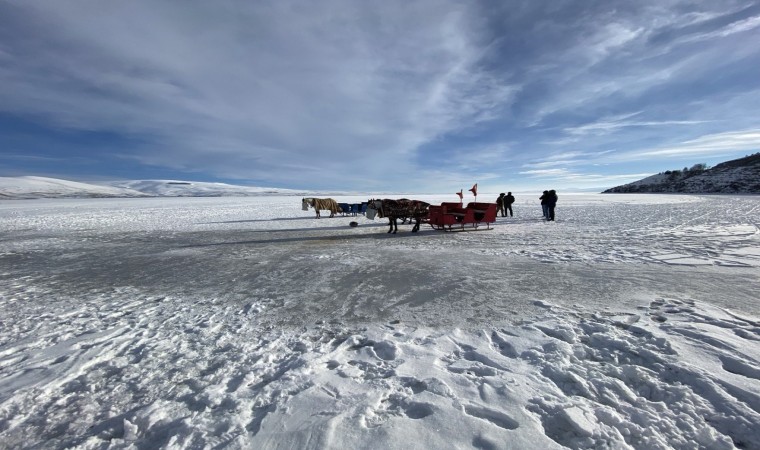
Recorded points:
552,204
500,205
508,200
545,204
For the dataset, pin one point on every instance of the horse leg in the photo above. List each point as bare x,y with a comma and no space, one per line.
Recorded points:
390,225
416,226
395,225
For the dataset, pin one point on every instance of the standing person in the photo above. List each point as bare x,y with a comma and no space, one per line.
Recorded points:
508,200
500,205
545,204
552,203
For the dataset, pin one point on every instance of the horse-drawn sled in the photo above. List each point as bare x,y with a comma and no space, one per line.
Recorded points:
446,216
452,217
329,204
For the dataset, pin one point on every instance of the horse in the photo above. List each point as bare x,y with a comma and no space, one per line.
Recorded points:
401,208
319,204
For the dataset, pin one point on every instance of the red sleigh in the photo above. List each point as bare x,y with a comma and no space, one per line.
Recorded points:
452,217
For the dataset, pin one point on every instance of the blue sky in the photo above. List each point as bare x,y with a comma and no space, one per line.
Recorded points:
420,96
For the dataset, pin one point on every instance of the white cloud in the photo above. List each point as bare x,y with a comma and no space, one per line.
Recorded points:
609,126
238,87
740,26
551,163
339,93
727,142
568,180
545,172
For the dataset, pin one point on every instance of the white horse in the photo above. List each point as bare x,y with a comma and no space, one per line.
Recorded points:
320,204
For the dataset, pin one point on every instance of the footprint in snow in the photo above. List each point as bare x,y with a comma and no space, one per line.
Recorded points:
503,346
739,367
397,405
497,418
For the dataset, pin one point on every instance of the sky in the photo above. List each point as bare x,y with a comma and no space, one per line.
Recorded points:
408,96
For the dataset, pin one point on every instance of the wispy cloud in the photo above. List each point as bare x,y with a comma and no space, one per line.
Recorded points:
739,26
266,82
566,178
566,159
17,157
609,126
340,94
748,140
545,172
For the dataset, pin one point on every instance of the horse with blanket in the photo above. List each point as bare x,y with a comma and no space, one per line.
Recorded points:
399,209
320,204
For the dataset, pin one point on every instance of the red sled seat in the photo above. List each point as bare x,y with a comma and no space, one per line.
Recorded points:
447,215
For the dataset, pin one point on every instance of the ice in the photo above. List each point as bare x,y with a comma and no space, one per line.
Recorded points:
631,322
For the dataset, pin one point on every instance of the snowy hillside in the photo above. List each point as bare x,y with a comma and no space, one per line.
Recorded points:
41,187
175,188
739,176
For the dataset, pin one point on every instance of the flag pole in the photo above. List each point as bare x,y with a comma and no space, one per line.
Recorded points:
474,190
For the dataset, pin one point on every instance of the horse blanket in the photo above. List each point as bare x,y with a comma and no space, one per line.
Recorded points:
403,208
323,204
399,209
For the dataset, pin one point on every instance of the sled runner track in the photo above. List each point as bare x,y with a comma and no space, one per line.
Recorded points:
751,214
698,218
682,215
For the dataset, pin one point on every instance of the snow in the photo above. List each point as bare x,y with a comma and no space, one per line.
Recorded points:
631,322
177,188
40,187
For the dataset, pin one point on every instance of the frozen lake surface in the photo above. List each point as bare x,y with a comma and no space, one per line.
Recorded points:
631,321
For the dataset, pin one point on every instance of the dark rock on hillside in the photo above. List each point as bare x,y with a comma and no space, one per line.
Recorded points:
739,176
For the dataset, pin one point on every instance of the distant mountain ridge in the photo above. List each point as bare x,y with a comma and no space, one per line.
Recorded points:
738,176
31,187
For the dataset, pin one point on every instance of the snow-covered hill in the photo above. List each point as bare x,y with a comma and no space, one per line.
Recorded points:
177,188
739,176
41,187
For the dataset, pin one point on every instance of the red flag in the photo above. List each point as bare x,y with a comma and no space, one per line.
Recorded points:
460,194
474,189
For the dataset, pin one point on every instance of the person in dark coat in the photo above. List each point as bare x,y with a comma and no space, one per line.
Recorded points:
552,203
500,205
508,200
545,204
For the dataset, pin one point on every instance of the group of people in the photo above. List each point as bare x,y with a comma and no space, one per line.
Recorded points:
504,204
548,203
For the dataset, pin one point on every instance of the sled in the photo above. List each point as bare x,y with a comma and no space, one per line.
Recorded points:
352,209
452,217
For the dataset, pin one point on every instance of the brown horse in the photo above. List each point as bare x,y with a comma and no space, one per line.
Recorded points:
399,209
